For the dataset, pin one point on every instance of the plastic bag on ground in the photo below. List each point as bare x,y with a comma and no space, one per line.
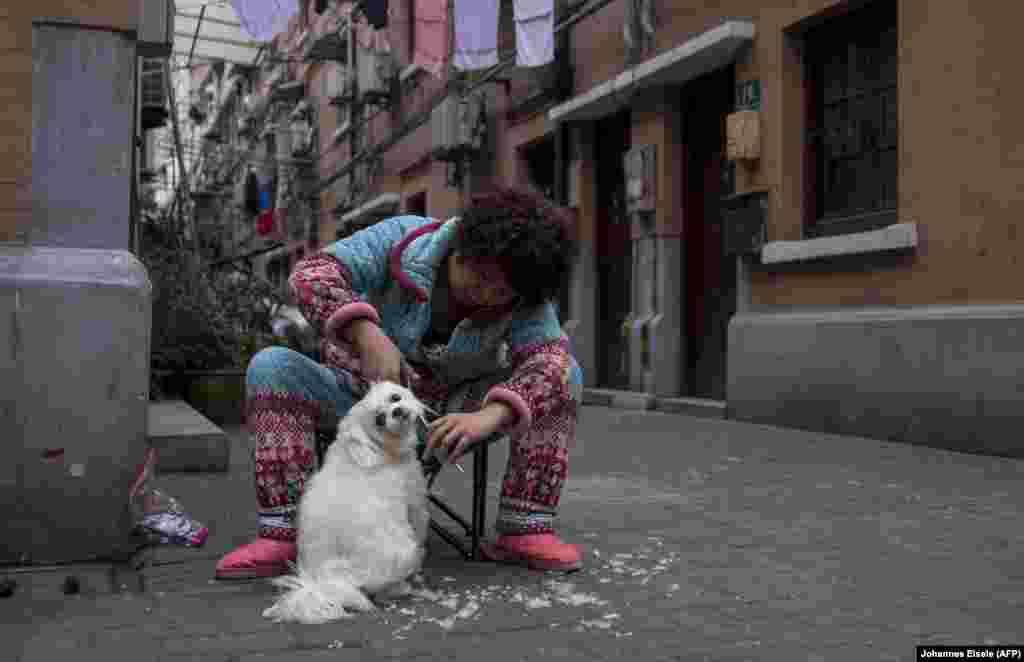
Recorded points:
158,516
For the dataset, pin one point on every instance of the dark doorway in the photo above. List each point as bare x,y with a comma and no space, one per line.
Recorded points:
416,204
540,166
614,250
709,276
540,161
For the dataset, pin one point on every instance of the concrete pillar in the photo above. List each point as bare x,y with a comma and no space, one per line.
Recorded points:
643,308
666,327
656,348
583,289
743,284
75,311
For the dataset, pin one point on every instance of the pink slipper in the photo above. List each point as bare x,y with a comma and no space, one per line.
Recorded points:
262,558
541,551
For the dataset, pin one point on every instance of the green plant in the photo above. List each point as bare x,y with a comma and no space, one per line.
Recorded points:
203,319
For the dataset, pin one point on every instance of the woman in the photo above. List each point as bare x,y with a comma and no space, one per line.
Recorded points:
462,312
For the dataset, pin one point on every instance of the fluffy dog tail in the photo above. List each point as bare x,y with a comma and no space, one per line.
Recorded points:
312,598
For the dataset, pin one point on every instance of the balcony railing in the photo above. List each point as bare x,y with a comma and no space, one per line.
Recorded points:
328,38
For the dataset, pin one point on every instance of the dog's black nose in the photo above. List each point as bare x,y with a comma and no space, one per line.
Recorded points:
381,420
399,413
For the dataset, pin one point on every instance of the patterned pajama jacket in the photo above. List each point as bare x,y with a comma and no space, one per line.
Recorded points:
388,273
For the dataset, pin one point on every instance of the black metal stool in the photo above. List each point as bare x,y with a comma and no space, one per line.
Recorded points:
474,529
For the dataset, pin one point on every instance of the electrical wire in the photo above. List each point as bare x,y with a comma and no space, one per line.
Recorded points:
423,116
359,125
419,120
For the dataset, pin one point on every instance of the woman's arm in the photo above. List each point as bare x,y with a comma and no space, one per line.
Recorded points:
544,373
332,286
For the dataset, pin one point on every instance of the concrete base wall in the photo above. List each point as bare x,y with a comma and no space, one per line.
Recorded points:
948,377
74,374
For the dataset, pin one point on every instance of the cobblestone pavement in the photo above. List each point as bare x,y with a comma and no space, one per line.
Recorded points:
704,540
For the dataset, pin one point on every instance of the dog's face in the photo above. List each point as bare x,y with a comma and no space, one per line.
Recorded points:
389,413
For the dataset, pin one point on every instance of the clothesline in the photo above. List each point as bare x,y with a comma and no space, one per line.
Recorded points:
464,32
436,46
376,149
421,118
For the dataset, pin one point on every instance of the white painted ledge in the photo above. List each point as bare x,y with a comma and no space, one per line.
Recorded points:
383,205
706,52
408,72
899,236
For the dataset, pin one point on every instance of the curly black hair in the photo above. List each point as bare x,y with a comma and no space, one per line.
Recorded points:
532,239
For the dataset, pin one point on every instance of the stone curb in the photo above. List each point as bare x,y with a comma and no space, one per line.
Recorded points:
640,401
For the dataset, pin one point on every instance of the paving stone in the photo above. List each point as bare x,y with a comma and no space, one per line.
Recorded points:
707,540
335,654
258,642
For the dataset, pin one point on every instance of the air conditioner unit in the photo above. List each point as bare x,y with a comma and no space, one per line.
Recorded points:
456,127
374,72
336,85
156,28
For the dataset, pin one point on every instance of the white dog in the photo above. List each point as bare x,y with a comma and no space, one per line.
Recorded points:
363,518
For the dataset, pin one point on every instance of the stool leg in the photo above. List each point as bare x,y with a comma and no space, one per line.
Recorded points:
479,497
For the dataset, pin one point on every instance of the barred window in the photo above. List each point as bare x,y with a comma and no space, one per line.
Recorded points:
852,121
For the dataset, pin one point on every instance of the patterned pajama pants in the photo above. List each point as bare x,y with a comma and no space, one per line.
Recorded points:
289,395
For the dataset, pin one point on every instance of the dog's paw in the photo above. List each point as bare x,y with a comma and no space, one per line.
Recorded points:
274,613
393,592
400,590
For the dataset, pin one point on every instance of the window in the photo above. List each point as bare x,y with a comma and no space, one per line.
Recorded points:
270,142
416,205
852,121
539,159
320,6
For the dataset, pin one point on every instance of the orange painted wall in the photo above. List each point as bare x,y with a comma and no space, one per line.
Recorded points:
960,160
16,90
960,135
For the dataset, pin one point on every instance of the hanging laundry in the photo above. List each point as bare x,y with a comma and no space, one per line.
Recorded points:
252,194
535,32
476,34
370,39
264,198
265,223
263,19
376,12
430,34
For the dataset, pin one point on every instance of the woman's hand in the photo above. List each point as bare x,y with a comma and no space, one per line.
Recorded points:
379,359
458,432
